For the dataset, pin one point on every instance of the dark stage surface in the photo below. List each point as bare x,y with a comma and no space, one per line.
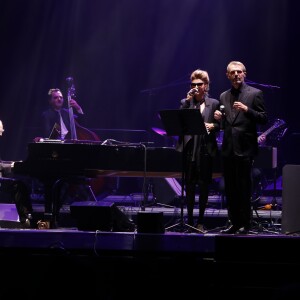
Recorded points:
173,264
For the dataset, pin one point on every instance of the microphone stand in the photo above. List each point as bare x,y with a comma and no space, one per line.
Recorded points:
181,122
269,86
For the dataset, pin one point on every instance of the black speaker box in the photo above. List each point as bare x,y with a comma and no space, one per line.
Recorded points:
150,222
290,221
100,215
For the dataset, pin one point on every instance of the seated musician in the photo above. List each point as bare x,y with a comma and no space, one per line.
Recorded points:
56,123
56,119
18,188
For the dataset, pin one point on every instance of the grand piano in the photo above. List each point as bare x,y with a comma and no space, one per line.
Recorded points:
53,160
91,159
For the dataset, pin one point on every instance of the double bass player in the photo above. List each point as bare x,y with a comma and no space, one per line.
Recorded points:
56,120
59,123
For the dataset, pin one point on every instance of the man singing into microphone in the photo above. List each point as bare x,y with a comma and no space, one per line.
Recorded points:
244,108
199,150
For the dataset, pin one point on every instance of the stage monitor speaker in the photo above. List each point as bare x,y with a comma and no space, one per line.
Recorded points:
100,215
150,222
290,221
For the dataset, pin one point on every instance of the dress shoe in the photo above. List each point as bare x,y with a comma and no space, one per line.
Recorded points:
200,228
43,224
26,224
243,230
230,230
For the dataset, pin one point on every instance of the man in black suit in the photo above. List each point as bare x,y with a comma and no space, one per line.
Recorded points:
56,119
56,124
243,108
199,150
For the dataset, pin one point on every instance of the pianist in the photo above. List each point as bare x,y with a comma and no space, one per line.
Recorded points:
17,188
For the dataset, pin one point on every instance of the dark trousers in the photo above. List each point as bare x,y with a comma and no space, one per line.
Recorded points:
238,189
198,176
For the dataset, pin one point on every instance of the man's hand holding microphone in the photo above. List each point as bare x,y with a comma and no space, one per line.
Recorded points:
218,114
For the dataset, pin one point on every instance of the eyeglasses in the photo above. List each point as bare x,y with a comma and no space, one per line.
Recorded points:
196,84
235,71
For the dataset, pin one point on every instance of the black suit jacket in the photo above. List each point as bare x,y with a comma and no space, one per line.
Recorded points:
240,128
50,117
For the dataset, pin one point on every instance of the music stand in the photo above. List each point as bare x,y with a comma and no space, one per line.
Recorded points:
181,122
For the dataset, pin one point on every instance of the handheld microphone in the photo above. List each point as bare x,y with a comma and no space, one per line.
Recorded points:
193,91
222,110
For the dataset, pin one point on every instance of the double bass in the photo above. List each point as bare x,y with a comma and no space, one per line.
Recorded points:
81,133
56,190
77,132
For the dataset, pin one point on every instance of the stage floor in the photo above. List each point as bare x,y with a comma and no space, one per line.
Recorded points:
158,228
131,264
